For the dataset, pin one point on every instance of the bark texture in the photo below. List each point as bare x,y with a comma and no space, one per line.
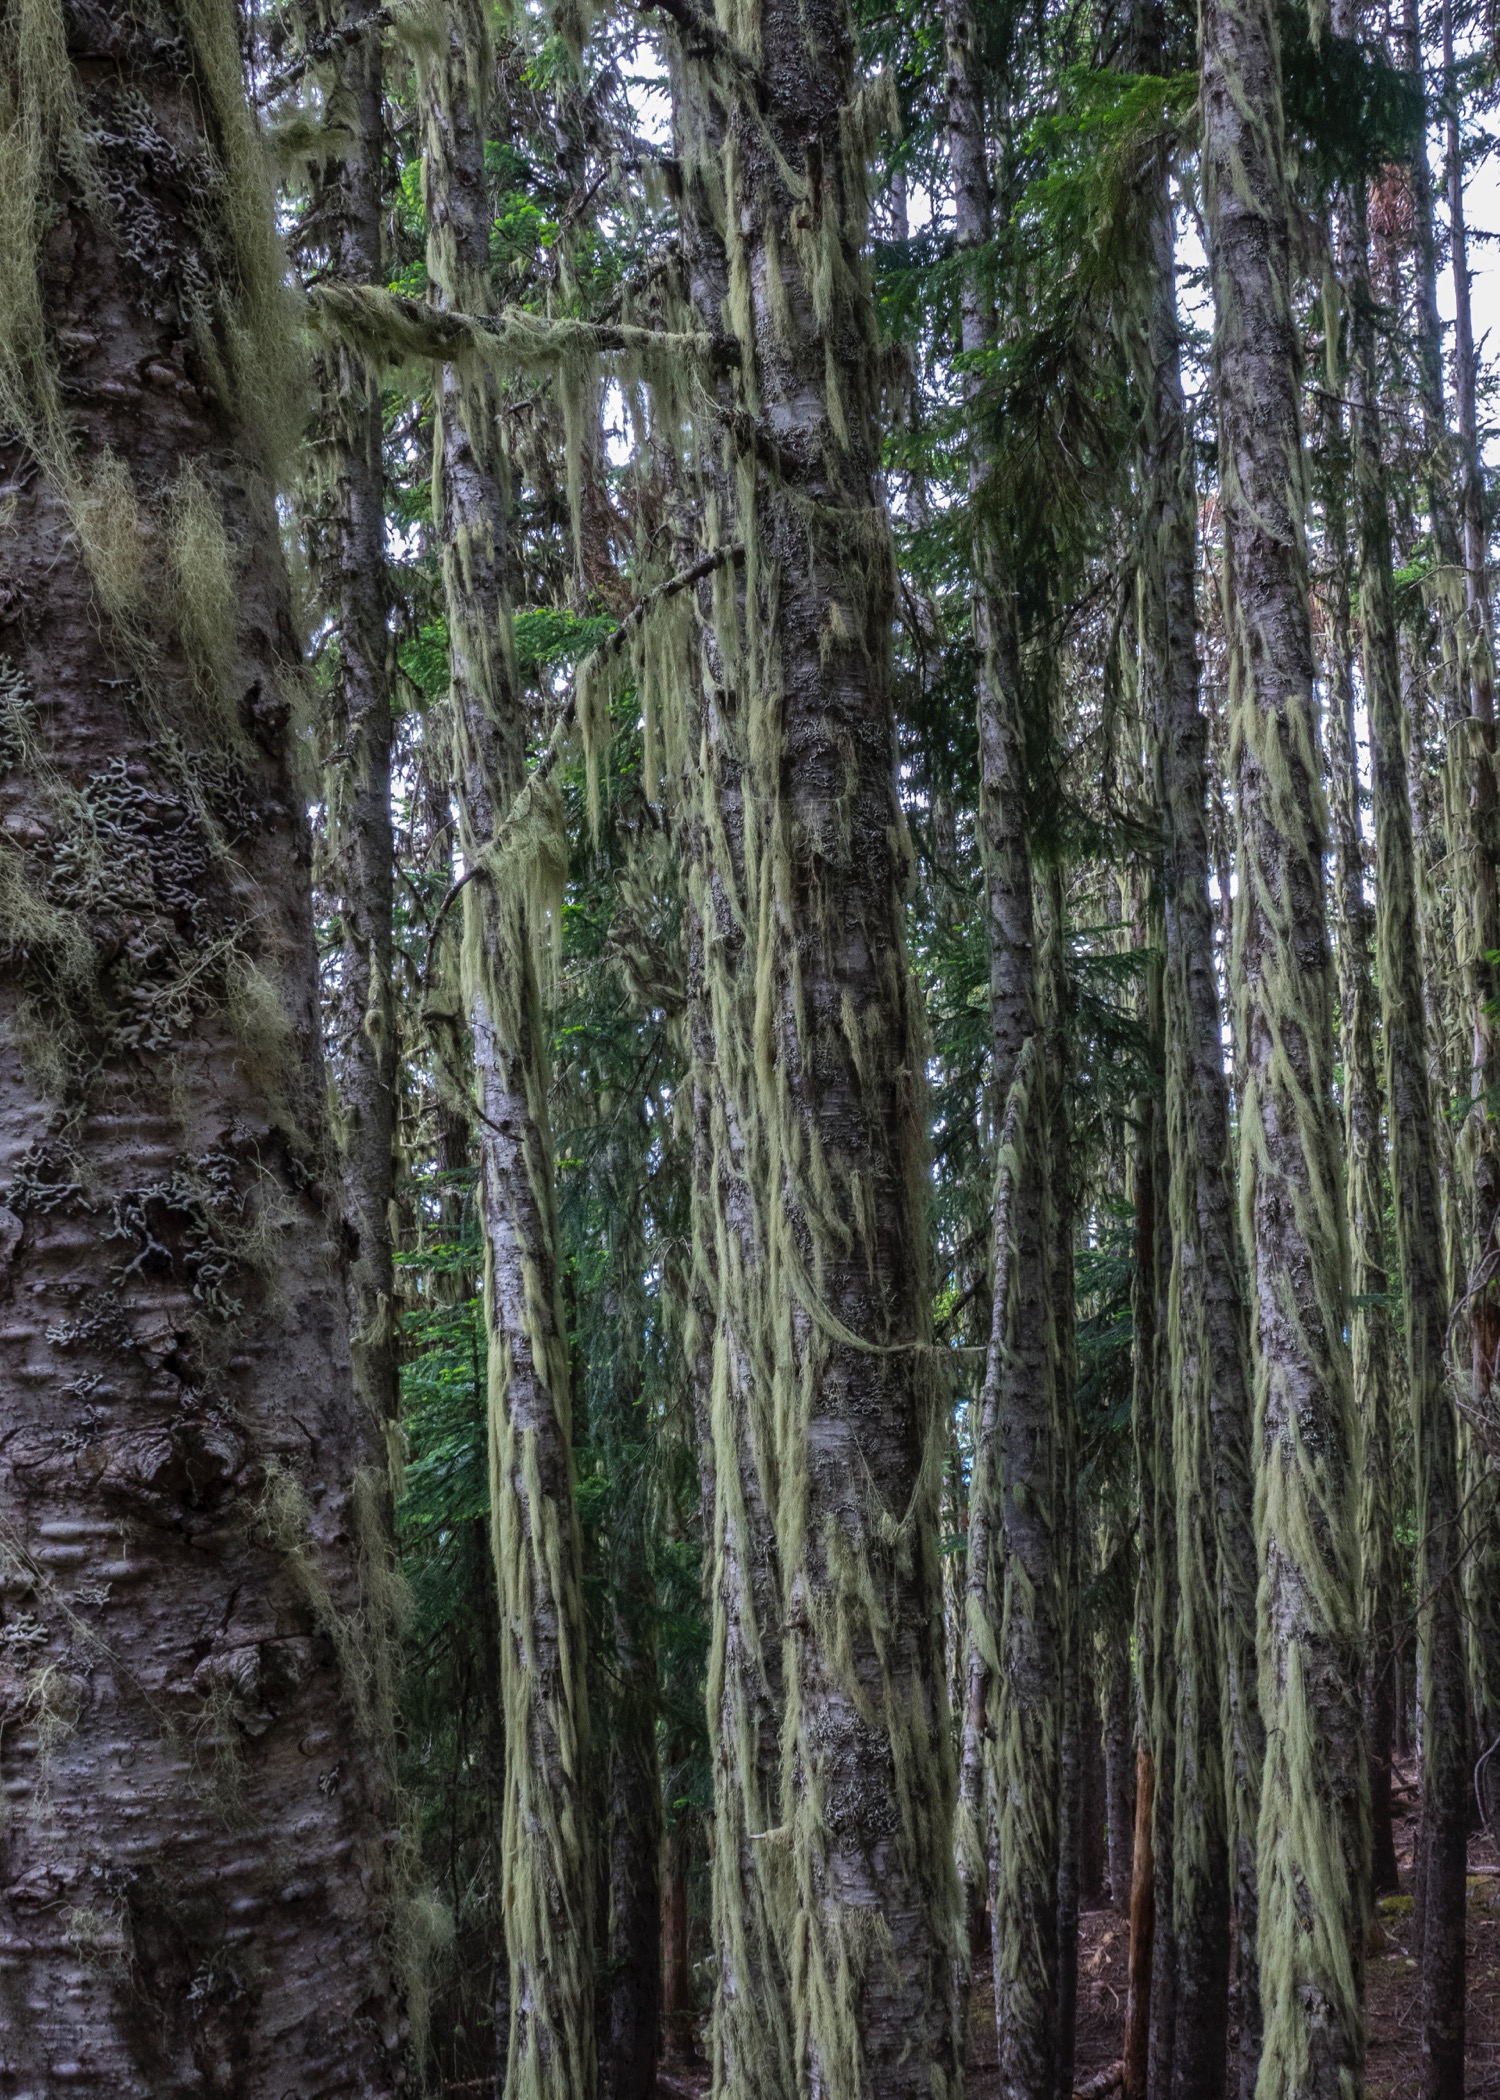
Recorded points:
1313,1835
862,1899
1220,1740
1372,1341
357,784
754,2023
548,1895
1011,1751
1420,1236
199,1870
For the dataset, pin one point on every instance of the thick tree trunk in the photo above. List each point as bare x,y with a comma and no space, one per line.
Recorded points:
199,1870
1314,1839
361,853
548,1895
862,1897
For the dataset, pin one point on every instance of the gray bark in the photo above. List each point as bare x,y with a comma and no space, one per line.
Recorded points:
361,853
199,1865
1313,1862
863,1898
548,1897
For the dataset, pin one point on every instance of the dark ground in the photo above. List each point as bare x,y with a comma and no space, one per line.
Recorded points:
1393,1987
1394,2065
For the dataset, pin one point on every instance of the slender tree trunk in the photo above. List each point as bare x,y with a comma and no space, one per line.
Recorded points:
1137,2045
1154,1969
361,856
1093,1828
1220,1739
199,1871
1119,1766
1419,1219
548,1896
1474,841
862,1896
1057,998
630,2029
754,2023
1419,1233
1011,1756
1313,1837
1371,1336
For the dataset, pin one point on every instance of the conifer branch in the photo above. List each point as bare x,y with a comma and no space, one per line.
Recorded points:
565,718
319,49
389,328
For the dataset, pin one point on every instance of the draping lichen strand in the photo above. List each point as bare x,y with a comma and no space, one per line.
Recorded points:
1313,1828
546,1862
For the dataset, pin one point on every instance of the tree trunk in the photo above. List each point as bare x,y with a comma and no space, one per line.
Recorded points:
200,1870
1371,1336
1474,841
1094,1812
361,852
1154,1993
548,1897
861,1885
753,2021
1119,1767
1011,1757
1314,1839
1220,1739
1136,2050
1057,1000
630,2030
1419,1232
1419,1221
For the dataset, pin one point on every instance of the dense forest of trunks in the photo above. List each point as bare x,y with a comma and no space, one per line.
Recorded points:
749,1050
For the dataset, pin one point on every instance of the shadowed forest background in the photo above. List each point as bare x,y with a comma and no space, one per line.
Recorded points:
749,1051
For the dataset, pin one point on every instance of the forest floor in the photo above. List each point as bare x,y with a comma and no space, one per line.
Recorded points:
1393,1987
1393,1990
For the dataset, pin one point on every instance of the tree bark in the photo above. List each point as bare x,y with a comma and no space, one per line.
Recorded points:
754,2021
1220,1738
548,1894
1473,800
1011,1756
1137,2048
862,1897
1419,1220
630,2036
1119,1767
199,1868
1372,1340
361,851
1314,1840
